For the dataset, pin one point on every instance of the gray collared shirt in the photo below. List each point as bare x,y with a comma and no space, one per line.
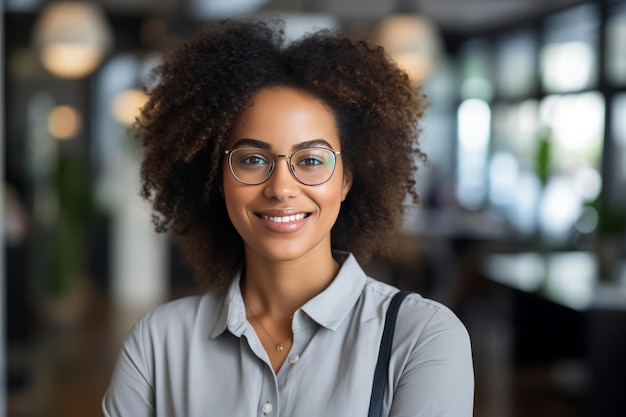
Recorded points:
199,356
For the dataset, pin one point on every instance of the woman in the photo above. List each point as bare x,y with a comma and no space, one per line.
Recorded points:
279,169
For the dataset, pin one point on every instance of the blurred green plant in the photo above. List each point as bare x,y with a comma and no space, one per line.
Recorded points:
543,156
611,221
71,234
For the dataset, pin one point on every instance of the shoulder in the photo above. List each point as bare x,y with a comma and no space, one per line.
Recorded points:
380,293
419,317
428,334
431,365
178,316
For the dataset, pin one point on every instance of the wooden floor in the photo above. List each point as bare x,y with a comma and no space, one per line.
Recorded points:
64,371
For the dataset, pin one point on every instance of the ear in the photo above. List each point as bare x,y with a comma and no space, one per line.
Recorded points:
346,185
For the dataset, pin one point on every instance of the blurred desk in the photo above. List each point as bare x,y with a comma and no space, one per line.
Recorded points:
566,278
453,222
561,302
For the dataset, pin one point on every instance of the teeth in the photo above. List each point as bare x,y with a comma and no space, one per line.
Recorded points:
285,219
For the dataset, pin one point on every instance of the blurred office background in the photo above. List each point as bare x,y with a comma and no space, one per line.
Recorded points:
522,231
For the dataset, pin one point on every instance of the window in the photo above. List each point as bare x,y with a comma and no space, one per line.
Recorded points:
515,63
476,74
615,45
568,57
618,135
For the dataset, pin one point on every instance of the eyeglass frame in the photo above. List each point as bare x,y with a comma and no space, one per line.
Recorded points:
292,169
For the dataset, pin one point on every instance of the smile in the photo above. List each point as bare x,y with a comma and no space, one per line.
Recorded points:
285,219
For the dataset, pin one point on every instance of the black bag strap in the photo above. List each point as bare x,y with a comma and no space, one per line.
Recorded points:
384,355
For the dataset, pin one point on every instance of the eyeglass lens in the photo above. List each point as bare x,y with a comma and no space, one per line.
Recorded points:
310,166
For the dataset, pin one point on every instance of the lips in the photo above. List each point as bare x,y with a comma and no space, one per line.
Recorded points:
285,219
283,222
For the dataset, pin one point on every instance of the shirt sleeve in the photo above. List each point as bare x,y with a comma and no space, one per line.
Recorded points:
130,391
438,378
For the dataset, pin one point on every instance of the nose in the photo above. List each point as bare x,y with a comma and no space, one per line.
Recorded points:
282,185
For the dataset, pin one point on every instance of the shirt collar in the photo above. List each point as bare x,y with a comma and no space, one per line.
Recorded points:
328,309
232,314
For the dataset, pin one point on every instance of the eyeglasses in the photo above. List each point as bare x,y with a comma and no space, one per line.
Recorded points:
254,166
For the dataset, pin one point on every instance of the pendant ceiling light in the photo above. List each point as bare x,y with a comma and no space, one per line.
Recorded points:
413,42
72,38
126,105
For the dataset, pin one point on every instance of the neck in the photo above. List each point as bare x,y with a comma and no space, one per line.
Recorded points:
278,288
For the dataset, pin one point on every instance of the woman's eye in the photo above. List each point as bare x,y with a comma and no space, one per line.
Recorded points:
311,161
253,160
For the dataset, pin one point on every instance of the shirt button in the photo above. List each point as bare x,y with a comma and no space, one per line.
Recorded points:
294,359
267,408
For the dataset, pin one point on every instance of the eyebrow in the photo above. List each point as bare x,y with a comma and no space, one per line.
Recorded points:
264,145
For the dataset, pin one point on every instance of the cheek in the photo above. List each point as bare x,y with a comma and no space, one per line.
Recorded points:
331,197
235,209
233,198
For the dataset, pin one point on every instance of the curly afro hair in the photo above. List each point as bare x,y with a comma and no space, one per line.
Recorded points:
206,83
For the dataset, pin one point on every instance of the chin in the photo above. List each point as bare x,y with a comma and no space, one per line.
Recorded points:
286,255
285,252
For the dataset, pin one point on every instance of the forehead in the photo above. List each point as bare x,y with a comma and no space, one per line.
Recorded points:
284,117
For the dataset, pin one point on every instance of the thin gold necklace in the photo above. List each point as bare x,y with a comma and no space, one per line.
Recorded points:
277,345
